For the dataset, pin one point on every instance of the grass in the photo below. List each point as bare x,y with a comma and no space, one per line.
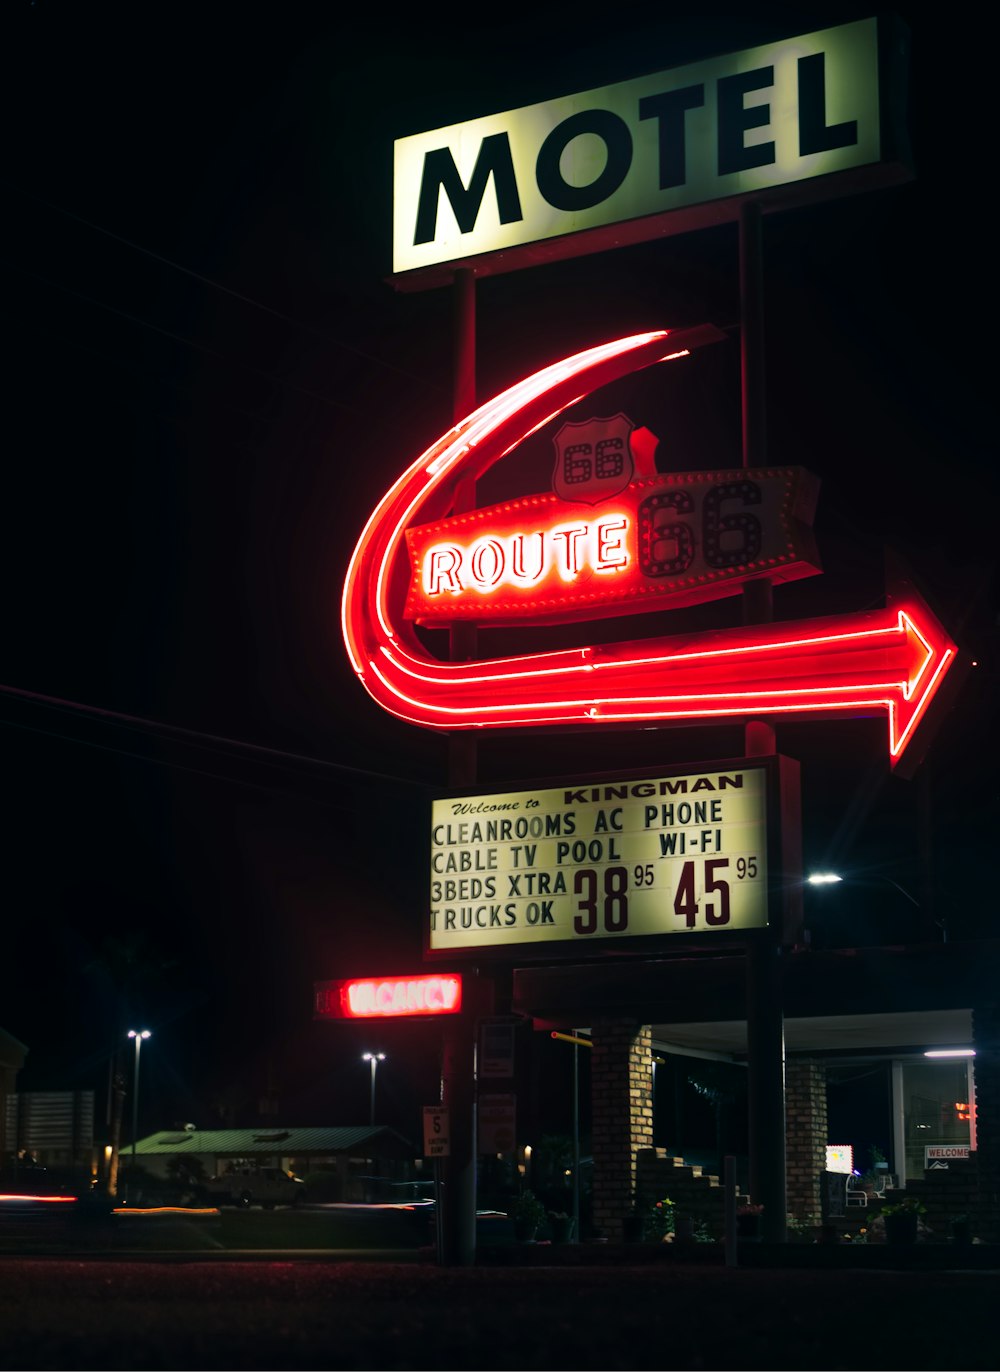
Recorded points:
230,1230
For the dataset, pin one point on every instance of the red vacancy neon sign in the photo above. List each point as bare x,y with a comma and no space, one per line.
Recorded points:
892,661
388,997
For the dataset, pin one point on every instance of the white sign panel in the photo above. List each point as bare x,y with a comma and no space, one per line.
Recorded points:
496,1116
496,1049
940,1154
733,125
603,860
840,1157
437,1137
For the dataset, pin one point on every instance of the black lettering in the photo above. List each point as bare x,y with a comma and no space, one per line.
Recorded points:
613,132
735,119
666,546
668,109
441,174
742,532
814,134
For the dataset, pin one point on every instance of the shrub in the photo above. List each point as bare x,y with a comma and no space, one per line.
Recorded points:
528,1209
660,1221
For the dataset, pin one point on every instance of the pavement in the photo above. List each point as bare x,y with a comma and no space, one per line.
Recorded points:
318,1311
169,1290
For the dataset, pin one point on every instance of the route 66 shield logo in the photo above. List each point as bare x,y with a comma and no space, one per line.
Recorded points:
593,460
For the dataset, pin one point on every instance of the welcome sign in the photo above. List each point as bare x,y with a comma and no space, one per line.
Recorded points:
603,861
649,151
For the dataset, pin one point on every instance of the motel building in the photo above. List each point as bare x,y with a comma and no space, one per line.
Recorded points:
915,1024
657,910
919,1020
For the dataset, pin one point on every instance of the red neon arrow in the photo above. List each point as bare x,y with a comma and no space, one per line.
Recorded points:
893,660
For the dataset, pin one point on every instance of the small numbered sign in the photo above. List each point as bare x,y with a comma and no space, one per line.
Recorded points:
436,1139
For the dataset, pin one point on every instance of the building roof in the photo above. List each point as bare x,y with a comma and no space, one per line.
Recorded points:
869,1000
12,1050
359,1139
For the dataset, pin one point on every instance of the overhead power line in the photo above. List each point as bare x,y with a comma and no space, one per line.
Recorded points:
179,338
133,369
218,286
212,742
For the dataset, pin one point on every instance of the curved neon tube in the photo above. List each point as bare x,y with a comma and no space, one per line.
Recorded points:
855,664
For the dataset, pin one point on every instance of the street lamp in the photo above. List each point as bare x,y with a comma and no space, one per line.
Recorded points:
872,882
374,1059
137,1035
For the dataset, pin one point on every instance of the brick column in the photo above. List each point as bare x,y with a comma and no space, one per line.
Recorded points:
805,1137
986,1041
622,1115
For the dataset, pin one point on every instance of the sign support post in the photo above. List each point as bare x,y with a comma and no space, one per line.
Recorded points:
457,1195
456,1228
765,1015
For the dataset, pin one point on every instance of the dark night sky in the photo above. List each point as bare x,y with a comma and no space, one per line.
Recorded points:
210,384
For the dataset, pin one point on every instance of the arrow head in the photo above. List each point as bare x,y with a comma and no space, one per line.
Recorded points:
931,658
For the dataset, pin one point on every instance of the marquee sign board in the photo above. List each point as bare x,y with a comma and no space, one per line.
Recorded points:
664,541
584,865
808,117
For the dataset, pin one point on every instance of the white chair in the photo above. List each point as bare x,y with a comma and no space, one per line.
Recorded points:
854,1192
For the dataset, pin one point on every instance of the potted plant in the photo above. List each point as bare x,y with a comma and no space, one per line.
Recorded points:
528,1214
874,1179
748,1221
661,1224
902,1220
799,1230
561,1226
684,1229
961,1229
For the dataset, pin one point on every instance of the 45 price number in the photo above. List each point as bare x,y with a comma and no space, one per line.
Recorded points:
714,905
603,904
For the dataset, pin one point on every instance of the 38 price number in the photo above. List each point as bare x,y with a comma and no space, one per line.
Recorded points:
603,903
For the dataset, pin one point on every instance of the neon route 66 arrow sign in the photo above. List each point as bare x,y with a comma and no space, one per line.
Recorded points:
857,664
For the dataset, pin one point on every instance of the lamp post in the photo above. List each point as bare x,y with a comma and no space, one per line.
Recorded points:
374,1059
137,1036
872,882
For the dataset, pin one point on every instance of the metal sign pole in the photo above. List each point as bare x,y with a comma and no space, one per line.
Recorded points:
457,1211
765,1018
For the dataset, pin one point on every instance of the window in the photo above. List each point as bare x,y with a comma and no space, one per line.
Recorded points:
937,1112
